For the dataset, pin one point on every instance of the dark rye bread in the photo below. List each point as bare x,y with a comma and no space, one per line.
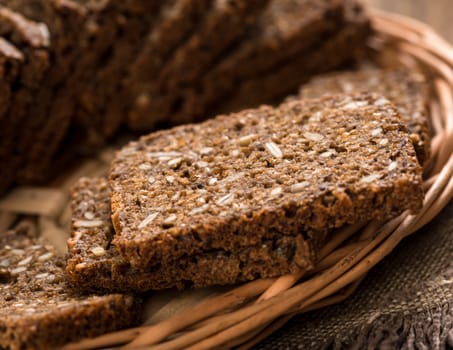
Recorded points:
287,28
38,310
224,23
32,39
48,123
235,181
84,36
407,90
344,47
176,22
98,84
87,39
11,61
95,264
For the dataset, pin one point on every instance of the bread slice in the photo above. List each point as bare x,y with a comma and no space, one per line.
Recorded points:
38,310
342,48
11,61
45,127
82,35
224,23
12,58
32,39
222,27
95,264
91,28
407,90
287,29
239,180
174,25
99,83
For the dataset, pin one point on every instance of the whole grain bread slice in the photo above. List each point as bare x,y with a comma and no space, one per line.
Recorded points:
95,264
98,83
90,28
175,24
39,310
45,127
11,61
407,90
288,28
32,39
307,166
82,33
224,23
344,47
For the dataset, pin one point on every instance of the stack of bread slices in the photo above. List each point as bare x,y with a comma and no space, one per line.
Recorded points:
252,194
245,195
75,72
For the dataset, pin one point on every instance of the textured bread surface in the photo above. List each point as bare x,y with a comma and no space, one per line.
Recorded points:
11,62
407,90
286,28
38,309
176,22
223,24
95,264
104,64
47,120
120,36
305,167
20,83
342,48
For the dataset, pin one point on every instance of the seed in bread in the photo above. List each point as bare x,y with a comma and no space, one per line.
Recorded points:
407,90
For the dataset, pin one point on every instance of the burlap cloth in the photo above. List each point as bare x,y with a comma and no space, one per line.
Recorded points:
404,302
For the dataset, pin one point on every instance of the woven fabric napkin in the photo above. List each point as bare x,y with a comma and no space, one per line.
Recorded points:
405,302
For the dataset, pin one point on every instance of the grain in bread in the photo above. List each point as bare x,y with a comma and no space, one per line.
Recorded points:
38,310
303,168
407,90
95,264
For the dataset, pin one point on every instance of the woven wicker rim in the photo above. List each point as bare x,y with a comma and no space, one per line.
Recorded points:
247,314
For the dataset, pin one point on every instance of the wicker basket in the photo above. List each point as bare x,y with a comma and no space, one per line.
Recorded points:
242,316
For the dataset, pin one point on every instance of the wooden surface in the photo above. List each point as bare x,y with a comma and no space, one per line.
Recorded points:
436,13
